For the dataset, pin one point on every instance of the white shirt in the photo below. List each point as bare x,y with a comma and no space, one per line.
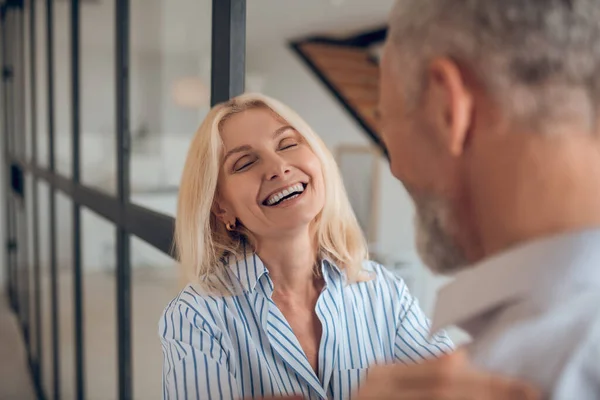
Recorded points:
241,346
534,313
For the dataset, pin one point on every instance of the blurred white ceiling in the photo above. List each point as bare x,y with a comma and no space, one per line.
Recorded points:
183,26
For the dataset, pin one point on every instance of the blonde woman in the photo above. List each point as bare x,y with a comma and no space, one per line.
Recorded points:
282,300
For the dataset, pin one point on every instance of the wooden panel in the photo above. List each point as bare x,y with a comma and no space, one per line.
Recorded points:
352,72
355,78
333,51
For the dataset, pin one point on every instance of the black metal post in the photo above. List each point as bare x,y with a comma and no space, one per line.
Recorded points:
12,234
22,239
123,240
228,64
52,202
36,367
8,101
77,270
6,167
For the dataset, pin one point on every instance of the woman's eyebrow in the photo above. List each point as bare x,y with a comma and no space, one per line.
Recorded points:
238,149
282,129
246,147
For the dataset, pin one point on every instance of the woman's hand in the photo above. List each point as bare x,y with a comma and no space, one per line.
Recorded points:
447,378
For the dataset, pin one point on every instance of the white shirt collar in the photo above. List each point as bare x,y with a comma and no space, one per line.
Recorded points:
248,268
566,259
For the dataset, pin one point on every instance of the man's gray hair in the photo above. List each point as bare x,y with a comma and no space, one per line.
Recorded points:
541,58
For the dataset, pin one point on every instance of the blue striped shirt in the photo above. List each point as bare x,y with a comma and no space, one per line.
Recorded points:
241,346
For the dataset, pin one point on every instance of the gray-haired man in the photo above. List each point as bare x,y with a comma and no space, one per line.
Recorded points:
490,112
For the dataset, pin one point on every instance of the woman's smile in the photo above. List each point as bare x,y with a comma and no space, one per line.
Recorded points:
285,195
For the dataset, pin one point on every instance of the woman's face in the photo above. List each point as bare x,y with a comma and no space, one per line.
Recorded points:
270,179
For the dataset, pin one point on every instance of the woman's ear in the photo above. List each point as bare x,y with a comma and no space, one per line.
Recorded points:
222,212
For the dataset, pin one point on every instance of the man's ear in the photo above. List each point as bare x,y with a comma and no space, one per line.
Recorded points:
450,104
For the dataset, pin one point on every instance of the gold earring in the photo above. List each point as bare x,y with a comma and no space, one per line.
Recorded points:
230,227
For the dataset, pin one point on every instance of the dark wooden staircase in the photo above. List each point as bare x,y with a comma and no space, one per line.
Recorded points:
349,69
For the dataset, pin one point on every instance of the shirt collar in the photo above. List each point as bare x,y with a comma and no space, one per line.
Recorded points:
331,272
249,269
560,261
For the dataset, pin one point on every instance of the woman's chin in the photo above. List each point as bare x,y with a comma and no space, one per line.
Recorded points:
291,226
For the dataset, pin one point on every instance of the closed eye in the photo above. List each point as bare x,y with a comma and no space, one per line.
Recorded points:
243,164
287,143
289,146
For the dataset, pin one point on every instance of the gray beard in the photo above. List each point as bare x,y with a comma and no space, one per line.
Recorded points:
435,244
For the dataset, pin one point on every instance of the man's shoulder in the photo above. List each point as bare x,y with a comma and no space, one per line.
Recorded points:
544,340
580,377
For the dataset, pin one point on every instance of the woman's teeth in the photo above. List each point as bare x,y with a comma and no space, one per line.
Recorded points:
279,196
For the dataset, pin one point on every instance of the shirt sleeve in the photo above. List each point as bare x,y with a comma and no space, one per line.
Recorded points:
195,365
580,377
413,342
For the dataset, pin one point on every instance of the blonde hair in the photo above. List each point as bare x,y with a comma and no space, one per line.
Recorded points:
202,240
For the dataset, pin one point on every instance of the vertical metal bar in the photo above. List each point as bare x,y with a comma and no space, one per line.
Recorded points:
18,82
8,75
34,197
23,223
52,202
228,63
77,270
11,150
14,134
6,79
6,166
123,240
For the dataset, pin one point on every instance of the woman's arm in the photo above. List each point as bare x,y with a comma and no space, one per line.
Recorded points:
413,342
195,365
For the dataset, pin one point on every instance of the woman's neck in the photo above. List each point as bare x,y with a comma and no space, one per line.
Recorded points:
291,261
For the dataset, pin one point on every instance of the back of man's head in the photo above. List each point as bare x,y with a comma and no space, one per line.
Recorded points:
529,53
489,110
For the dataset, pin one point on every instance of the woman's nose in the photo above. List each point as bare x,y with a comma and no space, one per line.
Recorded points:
277,168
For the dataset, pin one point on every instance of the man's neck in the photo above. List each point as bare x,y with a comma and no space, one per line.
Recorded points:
527,186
